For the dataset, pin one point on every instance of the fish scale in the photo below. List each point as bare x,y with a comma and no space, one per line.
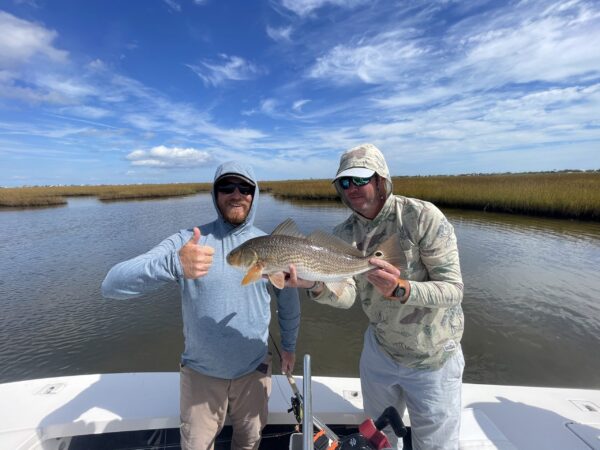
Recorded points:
313,261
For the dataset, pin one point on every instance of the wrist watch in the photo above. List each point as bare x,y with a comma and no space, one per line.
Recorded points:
399,292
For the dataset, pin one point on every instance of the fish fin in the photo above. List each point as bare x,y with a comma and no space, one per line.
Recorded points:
391,251
329,240
277,279
337,287
287,228
254,274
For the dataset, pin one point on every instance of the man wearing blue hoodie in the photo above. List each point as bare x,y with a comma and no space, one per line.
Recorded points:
225,365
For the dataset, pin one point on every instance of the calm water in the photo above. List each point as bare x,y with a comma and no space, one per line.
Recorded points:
531,302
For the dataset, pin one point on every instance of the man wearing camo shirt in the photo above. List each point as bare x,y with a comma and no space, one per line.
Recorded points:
411,357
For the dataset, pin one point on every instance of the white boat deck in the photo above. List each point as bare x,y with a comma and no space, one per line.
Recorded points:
36,414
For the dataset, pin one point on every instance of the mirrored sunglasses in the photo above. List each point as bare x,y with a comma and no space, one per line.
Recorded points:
344,182
228,188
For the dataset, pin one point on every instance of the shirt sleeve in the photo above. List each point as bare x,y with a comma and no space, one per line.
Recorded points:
146,272
344,301
439,253
288,315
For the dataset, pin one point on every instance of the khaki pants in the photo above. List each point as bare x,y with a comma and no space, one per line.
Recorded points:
205,401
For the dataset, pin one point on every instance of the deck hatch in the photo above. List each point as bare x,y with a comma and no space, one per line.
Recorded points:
51,389
586,405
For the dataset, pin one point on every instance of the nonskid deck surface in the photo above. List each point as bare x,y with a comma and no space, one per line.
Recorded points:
50,414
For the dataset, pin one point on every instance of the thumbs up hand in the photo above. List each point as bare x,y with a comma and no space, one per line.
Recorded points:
195,259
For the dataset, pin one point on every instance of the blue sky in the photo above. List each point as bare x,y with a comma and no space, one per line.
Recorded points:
155,91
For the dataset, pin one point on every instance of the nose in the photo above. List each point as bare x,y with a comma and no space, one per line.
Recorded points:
236,192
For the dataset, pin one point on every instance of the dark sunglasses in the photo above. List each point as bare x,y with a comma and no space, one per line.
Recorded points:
228,188
344,182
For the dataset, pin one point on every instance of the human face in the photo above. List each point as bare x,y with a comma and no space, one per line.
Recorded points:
235,205
365,199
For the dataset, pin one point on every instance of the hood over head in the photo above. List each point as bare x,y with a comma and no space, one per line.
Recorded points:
363,161
244,172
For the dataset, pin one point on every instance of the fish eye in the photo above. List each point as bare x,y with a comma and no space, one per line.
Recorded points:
378,254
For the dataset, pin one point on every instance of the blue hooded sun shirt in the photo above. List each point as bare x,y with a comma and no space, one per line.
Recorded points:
225,324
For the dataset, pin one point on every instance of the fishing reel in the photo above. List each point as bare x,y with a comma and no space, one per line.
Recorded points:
369,436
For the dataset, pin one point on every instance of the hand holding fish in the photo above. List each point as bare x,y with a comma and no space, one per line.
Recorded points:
292,280
385,277
195,259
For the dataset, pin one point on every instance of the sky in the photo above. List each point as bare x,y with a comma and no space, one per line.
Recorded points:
163,91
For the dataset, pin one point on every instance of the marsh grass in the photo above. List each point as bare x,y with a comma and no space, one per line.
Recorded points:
571,194
56,195
301,189
556,194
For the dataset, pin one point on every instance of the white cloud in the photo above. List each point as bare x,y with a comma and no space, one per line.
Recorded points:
28,94
547,49
527,42
534,41
238,138
280,34
232,68
21,40
71,89
173,5
268,106
169,157
142,121
88,112
297,106
491,122
381,60
305,7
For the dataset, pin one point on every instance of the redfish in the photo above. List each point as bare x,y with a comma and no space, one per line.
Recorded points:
317,257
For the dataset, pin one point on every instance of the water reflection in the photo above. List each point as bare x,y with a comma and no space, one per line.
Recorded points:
531,306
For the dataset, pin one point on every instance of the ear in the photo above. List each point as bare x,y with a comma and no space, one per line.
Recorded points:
381,184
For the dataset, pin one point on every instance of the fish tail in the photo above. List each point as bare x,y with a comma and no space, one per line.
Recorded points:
391,251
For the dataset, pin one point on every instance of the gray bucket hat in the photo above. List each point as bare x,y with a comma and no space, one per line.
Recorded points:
363,161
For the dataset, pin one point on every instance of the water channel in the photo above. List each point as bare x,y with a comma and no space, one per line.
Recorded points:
532,293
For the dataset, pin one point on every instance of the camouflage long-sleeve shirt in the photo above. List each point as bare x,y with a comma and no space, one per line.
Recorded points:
425,330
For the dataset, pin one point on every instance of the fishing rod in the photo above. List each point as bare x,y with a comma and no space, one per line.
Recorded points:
297,400
369,437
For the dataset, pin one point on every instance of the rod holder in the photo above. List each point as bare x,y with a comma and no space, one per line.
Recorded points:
307,421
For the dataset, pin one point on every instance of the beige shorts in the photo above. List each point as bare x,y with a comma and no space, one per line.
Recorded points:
205,401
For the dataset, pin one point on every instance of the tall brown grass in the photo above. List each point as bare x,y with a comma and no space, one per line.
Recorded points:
563,194
557,194
56,195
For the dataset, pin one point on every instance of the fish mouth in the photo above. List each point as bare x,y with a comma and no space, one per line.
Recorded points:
233,259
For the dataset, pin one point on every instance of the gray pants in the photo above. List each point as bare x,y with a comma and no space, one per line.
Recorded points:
432,397
205,401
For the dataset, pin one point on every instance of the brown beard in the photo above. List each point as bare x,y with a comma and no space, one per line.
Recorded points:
235,216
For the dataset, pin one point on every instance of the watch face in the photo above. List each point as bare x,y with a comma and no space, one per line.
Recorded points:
399,292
